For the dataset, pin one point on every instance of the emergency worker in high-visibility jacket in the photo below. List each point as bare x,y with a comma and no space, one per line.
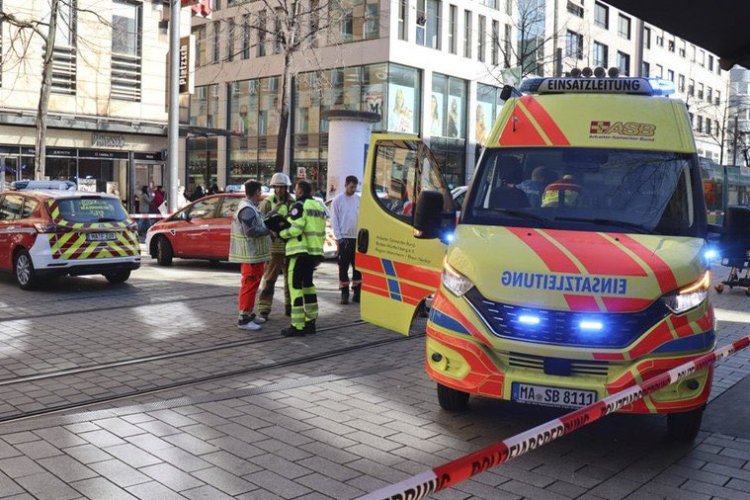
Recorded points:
304,249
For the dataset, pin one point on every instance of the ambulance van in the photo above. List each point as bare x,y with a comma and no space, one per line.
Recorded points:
578,266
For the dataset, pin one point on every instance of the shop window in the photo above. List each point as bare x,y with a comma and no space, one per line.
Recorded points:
403,99
448,107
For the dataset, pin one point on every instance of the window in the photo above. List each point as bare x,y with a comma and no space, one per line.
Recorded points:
601,15
670,47
575,9
278,40
699,123
623,63
481,38
670,75
314,22
702,57
434,15
215,54
495,43
246,36
647,37
660,40
691,88
355,20
659,71
229,206
506,44
681,83
403,26
467,33
204,209
230,39
261,47
601,56
707,128
11,206
509,7
623,26
700,91
692,53
452,26
710,62
574,45
709,94
691,117
200,45
64,54
646,69
126,51
718,98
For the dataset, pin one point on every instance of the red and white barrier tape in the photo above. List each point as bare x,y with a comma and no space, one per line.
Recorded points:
148,216
461,469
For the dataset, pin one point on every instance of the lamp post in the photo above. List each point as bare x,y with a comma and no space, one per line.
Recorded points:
174,100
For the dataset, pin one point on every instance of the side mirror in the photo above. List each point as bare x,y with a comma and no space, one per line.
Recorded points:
714,232
428,215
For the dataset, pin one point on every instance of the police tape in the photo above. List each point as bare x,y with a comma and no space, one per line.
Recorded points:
461,469
148,216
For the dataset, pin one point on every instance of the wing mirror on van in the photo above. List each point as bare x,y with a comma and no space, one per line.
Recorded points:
430,221
714,232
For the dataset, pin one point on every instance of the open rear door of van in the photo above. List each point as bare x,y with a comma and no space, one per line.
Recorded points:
399,271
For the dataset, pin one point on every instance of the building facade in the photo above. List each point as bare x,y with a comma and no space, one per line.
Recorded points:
107,118
430,67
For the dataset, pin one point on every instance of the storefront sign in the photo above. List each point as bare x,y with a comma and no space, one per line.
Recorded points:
187,64
94,153
8,150
27,151
108,141
63,152
146,156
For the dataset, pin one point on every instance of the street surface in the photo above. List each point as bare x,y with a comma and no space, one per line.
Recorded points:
185,405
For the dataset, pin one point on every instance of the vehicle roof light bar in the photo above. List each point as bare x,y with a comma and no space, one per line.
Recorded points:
636,86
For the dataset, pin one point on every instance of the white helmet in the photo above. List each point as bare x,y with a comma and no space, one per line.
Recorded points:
280,179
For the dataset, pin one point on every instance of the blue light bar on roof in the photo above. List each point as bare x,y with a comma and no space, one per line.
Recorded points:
638,86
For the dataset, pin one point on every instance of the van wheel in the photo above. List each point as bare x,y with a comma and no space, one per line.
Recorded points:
23,270
164,252
683,427
452,399
118,277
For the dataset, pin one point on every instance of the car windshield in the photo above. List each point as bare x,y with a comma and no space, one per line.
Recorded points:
587,189
90,209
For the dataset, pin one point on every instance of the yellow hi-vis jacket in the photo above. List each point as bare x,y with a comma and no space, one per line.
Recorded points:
308,228
273,206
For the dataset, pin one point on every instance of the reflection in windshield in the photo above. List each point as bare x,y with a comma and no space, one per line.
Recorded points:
585,189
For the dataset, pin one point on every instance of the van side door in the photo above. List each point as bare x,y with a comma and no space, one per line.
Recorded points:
399,271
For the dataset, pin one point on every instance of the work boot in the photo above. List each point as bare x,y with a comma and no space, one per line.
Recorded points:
344,295
293,332
310,327
355,297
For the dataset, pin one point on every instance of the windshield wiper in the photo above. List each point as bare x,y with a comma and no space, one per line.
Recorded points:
107,219
609,222
521,214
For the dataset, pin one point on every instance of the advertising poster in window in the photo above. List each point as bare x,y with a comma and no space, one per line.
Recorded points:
437,109
400,108
483,124
455,114
374,98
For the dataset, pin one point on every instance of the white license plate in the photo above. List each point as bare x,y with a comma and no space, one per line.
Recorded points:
551,396
101,236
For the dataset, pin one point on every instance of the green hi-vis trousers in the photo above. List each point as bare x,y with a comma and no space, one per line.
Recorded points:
302,290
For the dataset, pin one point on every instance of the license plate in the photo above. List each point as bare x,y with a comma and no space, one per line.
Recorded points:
101,236
551,396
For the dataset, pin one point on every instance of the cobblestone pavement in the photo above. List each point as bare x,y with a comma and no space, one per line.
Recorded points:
331,416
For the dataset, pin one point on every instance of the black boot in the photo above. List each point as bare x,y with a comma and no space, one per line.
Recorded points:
355,297
292,332
345,295
310,327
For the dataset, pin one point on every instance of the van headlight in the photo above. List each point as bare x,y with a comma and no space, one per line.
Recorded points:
455,282
690,296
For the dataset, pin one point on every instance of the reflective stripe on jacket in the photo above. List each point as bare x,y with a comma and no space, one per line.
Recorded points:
308,228
244,248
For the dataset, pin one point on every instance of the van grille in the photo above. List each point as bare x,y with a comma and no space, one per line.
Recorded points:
577,367
562,327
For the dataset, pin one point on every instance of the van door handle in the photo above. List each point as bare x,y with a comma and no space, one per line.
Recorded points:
363,240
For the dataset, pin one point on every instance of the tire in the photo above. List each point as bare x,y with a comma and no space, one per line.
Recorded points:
683,427
164,252
23,271
118,277
214,262
452,399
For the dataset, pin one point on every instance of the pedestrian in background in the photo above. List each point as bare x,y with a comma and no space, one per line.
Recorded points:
144,208
250,246
344,215
304,248
276,205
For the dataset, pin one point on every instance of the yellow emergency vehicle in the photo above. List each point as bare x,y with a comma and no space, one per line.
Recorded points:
578,266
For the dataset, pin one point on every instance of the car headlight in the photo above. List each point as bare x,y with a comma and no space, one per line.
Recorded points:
689,297
455,282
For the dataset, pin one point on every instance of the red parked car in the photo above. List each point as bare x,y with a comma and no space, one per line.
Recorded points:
201,230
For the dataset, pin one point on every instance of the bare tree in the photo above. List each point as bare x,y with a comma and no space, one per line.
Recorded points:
46,29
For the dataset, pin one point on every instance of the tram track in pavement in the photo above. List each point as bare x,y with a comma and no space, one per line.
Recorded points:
19,416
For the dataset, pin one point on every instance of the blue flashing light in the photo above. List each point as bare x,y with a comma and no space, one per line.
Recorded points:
449,237
590,325
661,87
528,319
711,254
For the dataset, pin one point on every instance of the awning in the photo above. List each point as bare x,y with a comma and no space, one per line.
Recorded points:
719,26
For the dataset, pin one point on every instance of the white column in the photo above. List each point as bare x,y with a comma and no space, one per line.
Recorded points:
471,102
426,97
348,140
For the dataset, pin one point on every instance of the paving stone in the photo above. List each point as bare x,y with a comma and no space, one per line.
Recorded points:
59,437
67,468
332,488
289,470
46,486
87,454
38,449
205,492
225,481
153,490
99,487
172,477
9,487
119,473
101,438
19,467
277,484
119,427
